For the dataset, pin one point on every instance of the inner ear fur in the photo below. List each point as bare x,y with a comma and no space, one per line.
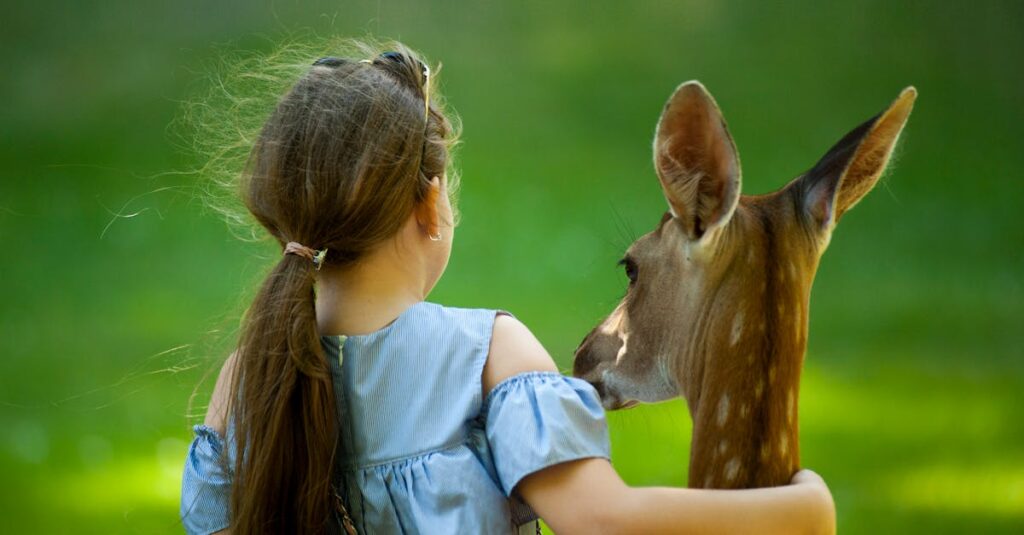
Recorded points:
852,167
696,160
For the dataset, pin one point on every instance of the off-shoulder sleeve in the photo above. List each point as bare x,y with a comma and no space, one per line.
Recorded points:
537,419
206,482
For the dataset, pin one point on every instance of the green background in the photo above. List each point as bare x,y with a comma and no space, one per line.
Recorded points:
120,292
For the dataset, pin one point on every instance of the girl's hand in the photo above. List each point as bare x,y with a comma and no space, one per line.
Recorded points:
812,480
806,476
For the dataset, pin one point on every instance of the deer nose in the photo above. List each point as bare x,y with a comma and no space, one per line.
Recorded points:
595,354
585,363
585,358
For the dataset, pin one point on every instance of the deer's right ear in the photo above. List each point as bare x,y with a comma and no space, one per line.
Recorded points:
696,161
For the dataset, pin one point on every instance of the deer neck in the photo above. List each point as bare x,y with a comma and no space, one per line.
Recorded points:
743,381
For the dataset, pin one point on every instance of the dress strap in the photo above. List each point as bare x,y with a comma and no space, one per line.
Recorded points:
341,513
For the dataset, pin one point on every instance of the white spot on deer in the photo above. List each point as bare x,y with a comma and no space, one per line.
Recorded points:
722,415
722,447
790,405
744,410
766,451
783,443
732,469
737,328
792,270
622,350
782,309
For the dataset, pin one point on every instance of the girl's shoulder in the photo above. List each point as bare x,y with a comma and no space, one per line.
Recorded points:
512,348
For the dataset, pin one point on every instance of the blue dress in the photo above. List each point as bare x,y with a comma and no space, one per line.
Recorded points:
421,451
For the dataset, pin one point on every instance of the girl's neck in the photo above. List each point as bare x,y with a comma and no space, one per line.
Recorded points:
369,295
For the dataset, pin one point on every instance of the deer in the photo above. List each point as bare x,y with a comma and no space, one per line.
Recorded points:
716,309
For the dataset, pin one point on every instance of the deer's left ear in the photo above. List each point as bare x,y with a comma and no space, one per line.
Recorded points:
696,161
852,167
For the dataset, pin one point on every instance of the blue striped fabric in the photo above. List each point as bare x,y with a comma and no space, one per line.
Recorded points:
421,451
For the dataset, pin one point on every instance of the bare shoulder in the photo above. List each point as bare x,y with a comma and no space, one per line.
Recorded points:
514,349
216,413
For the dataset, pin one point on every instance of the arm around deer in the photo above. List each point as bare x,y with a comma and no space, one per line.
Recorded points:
589,496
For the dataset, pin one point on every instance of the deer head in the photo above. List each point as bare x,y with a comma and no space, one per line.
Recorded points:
716,309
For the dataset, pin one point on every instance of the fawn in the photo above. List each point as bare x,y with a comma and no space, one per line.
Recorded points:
716,309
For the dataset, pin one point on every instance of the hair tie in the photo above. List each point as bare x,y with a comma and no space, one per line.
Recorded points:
297,248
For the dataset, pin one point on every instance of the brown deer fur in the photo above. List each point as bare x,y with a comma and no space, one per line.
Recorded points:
717,306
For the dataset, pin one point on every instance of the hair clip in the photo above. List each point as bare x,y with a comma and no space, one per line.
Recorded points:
329,61
397,57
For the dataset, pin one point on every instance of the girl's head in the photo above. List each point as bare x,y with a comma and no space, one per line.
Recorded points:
354,156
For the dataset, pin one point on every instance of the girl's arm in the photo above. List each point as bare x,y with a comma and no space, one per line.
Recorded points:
588,496
216,413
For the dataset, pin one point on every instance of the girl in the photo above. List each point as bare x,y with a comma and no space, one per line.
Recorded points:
363,408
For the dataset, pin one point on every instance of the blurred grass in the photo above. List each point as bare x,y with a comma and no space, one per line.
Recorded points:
119,293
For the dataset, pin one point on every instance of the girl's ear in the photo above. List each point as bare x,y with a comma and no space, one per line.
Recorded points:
428,213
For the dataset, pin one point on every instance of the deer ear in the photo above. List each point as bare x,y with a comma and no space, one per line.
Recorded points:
852,167
696,161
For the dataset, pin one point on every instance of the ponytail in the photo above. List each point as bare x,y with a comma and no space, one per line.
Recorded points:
285,420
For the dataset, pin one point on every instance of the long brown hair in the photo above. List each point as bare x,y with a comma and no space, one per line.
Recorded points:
340,164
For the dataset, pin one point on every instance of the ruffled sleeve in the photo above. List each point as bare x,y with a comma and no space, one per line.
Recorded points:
206,482
538,419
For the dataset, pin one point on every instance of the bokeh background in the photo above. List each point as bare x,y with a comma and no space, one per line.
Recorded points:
121,293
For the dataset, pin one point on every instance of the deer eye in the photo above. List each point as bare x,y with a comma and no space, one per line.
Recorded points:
630,267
